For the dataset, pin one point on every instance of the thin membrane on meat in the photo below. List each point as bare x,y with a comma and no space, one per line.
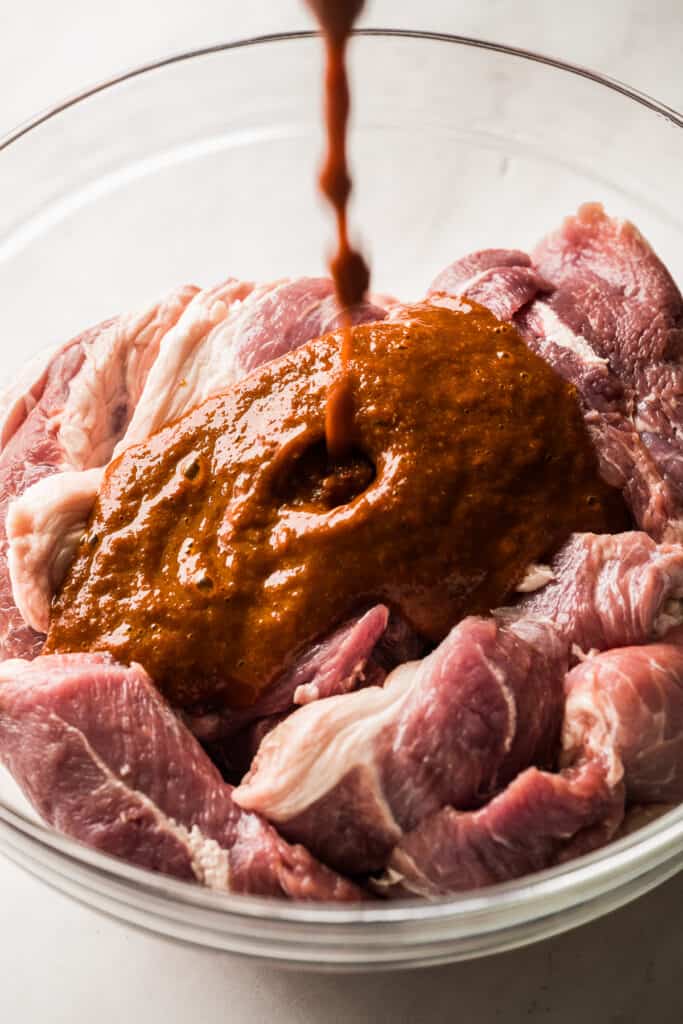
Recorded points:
347,776
71,413
622,738
104,759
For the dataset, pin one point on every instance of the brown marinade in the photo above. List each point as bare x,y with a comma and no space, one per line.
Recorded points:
227,541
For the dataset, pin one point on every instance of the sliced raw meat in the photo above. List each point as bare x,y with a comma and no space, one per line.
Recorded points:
23,393
104,760
571,355
56,512
626,459
70,414
44,527
659,418
361,652
398,643
503,280
627,705
612,289
348,775
223,334
523,830
287,316
622,737
611,590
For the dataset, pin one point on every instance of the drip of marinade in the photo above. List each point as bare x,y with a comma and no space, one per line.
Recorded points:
348,268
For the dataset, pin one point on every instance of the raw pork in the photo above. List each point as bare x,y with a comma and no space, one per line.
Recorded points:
610,590
68,414
627,705
503,280
359,653
622,736
613,290
347,776
105,760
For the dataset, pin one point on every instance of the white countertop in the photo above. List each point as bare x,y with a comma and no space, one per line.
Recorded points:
61,962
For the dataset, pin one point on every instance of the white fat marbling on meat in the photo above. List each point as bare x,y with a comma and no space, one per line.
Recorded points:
210,862
195,360
535,577
557,332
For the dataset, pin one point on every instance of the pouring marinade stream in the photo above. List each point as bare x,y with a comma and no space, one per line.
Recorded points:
349,270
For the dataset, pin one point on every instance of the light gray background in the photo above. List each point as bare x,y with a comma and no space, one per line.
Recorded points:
60,962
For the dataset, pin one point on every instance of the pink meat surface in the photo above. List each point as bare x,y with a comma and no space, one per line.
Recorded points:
521,831
70,416
347,776
611,590
622,738
503,280
223,334
289,315
627,705
104,759
361,651
612,290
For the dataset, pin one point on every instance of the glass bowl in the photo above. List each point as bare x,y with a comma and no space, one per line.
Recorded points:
202,165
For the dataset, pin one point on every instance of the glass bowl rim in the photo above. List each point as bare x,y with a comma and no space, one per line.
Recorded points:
176,57
574,882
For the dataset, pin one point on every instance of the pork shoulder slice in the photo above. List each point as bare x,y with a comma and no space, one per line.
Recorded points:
360,652
104,759
610,590
622,738
626,706
67,414
503,280
347,776
518,832
612,289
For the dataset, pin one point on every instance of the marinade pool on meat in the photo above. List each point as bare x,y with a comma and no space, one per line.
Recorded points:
227,542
